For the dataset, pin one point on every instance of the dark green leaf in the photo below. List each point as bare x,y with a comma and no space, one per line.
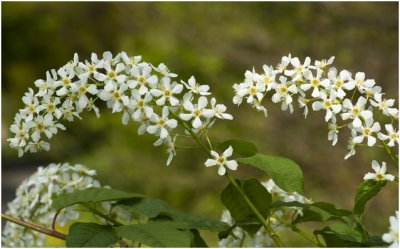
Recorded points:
146,206
197,239
190,221
241,148
91,195
317,211
340,235
285,173
90,235
365,191
237,205
163,234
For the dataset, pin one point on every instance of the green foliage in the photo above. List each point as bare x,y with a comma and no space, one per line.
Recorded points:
90,235
91,195
342,235
147,206
285,173
162,234
197,241
317,211
239,208
365,191
241,148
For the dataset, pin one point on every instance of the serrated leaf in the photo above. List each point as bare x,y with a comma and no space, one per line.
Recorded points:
365,192
90,235
163,234
241,148
238,207
91,195
285,173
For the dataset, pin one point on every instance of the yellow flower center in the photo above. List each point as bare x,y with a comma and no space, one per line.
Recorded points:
65,81
315,82
82,89
161,122
111,75
116,95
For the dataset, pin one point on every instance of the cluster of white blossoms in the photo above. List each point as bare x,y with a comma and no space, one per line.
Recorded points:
240,238
356,100
392,237
34,198
140,91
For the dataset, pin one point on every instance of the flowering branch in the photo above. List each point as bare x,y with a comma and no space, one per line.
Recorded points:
35,227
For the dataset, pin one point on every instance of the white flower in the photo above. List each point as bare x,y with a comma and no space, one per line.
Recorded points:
48,85
367,131
222,160
340,82
90,68
196,112
297,72
362,84
112,76
50,103
162,124
170,144
195,87
393,235
164,70
392,135
115,97
315,82
66,80
323,64
82,87
351,145
219,110
283,91
329,104
252,87
32,105
130,60
142,105
384,105
356,111
282,66
167,91
380,173
143,79
332,134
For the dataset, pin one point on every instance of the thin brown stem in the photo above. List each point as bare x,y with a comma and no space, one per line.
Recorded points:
34,227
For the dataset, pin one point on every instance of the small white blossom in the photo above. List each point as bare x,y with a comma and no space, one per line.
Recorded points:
196,112
329,104
167,92
356,111
385,105
222,161
368,130
380,173
161,124
195,87
392,236
392,135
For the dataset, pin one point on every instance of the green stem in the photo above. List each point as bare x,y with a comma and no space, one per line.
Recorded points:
273,235
302,233
34,227
394,160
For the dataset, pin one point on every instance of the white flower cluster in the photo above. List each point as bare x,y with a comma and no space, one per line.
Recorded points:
140,91
392,236
240,238
355,99
34,198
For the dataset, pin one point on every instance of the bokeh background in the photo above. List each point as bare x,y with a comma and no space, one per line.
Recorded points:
216,42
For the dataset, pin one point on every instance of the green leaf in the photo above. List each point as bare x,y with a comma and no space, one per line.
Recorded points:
90,235
317,211
340,235
147,206
91,195
285,173
238,207
197,239
163,234
190,221
241,148
365,191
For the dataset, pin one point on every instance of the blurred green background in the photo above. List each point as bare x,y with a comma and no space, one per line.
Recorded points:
216,42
